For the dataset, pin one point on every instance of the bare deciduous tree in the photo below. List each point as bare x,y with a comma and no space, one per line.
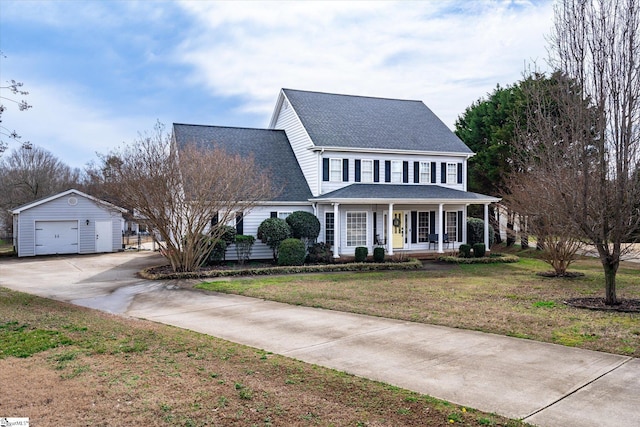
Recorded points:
14,88
585,159
179,191
28,174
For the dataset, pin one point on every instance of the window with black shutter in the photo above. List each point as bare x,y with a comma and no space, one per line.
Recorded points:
387,171
405,172
416,172
239,223
345,170
459,173
325,169
357,170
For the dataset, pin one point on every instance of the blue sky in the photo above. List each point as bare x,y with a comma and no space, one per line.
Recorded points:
99,72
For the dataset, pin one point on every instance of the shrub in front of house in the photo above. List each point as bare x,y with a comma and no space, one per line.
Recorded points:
361,253
304,226
479,250
320,253
465,251
378,254
475,231
244,245
272,232
291,252
218,250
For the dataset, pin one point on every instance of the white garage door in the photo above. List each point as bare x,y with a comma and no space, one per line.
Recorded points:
56,237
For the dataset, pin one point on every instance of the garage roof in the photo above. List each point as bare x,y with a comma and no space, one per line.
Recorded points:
66,193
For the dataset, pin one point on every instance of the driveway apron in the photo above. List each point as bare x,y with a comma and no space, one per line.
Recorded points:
544,384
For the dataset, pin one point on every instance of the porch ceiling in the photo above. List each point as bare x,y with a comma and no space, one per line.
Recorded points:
402,193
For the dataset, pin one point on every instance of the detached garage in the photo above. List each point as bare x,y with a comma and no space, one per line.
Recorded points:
71,222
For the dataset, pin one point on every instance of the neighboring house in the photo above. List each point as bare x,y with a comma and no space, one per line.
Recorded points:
375,171
70,222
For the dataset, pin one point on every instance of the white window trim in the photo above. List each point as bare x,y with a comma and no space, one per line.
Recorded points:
338,178
285,213
396,175
366,229
453,237
427,179
362,162
453,175
428,214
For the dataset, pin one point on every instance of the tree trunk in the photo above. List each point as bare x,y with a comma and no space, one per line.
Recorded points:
511,235
610,270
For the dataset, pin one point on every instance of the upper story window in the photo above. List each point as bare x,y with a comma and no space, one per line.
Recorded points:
335,169
452,173
396,171
425,172
366,171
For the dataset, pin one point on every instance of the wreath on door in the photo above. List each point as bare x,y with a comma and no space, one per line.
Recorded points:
396,222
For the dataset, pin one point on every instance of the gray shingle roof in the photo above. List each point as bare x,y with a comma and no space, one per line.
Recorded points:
270,148
334,120
404,192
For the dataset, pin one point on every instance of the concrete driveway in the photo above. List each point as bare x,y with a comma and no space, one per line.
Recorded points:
544,384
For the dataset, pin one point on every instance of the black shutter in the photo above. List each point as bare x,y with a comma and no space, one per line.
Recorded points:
239,225
459,226
405,172
345,170
325,169
357,170
432,222
433,172
459,173
414,227
375,228
376,171
443,173
387,171
416,172
274,214
214,220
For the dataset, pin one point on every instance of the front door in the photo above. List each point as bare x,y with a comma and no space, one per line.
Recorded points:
397,228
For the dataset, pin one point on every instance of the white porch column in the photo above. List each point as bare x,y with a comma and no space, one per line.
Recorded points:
440,228
390,230
336,230
486,226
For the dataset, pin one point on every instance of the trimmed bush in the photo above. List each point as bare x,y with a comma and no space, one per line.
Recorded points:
475,231
378,254
361,253
218,249
272,232
244,245
479,250
320,253
291,252
465,251
304,226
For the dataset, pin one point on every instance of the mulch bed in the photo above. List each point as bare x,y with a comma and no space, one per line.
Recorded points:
566,275
625,305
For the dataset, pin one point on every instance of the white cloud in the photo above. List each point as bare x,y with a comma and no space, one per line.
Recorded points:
445,53
68,125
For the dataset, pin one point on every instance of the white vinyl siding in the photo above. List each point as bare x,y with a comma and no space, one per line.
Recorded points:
425,172
300,142
366,171
356,229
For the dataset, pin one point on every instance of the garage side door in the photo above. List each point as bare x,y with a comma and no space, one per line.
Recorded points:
56,237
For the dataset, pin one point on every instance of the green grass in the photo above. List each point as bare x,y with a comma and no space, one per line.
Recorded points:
107,367
507,299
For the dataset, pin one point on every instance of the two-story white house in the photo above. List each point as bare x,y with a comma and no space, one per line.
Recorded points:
375,171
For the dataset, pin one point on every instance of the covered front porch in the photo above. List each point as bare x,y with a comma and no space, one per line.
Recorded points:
401,218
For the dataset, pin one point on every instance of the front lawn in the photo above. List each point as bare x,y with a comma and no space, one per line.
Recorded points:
507,299
65,365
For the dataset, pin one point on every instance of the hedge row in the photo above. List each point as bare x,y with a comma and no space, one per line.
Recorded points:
412,264
494,259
